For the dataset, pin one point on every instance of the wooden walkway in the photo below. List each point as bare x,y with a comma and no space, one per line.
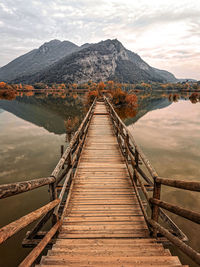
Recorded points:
104,225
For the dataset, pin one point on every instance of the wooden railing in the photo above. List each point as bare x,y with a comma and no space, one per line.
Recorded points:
134,158
55,208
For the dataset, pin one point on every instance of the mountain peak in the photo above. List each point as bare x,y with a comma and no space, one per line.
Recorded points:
48,45
52,42
63,61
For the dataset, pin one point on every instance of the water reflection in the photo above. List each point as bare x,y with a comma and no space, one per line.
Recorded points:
48,112
32,128
170,137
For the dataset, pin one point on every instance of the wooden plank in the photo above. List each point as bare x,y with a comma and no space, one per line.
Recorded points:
103,228
137,223
105,218
106,242
105,253
138,261
141,234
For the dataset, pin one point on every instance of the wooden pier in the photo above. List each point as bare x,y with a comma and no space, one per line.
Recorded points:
99,217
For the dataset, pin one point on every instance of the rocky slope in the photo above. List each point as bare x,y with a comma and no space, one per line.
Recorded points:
106,60
37,59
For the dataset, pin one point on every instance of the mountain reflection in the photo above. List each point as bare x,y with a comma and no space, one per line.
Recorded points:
49,112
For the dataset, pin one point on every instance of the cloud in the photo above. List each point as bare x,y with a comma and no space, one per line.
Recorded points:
151,28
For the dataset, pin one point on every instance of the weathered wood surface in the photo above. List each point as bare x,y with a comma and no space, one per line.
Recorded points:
14,227
7,190
103,223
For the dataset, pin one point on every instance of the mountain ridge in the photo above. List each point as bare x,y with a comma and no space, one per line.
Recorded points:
57,61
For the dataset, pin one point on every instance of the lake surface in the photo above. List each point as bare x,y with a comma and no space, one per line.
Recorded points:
32,129
170,138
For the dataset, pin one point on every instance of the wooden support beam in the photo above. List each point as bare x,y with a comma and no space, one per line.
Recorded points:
14,227
187,185
7,190
194,255
185,213
29,260
39,225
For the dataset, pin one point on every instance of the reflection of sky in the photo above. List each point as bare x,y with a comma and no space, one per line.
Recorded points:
170,138
26,150
171,135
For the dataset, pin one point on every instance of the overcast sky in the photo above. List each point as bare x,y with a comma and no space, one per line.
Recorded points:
165,33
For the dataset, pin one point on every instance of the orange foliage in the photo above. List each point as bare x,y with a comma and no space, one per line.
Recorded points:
118,96
75,96
71,124
7,94
194,98
91,95
3,85
29,93
126,112
28,87
110,85
101,86
131,100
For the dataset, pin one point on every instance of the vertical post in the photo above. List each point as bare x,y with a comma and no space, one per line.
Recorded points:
136,165
155,208
53,196
61,152
117,132
136,158
126,146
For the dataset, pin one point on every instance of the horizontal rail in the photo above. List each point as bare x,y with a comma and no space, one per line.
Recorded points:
188,214
29,260
8,190
187,185
14,227
190,252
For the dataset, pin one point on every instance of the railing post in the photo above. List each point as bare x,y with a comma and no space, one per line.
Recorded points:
53,196
126,145
155,209
136,158
136,165
61,153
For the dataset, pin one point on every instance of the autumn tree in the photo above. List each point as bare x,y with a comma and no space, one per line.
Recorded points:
28,87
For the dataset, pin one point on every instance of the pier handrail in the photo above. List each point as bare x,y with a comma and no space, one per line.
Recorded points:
134,157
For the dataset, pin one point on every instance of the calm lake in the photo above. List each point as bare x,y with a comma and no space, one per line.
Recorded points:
32,129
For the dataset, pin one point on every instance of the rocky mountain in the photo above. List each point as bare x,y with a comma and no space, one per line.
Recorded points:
37,59
169,77
106,60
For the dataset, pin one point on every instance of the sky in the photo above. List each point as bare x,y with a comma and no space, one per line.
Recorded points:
165,33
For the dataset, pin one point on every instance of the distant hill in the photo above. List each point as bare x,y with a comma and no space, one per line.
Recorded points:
37,59
168,76
58,62
187,80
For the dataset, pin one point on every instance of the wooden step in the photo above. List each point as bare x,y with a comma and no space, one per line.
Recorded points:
104,253
92,260
105,242
111,264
